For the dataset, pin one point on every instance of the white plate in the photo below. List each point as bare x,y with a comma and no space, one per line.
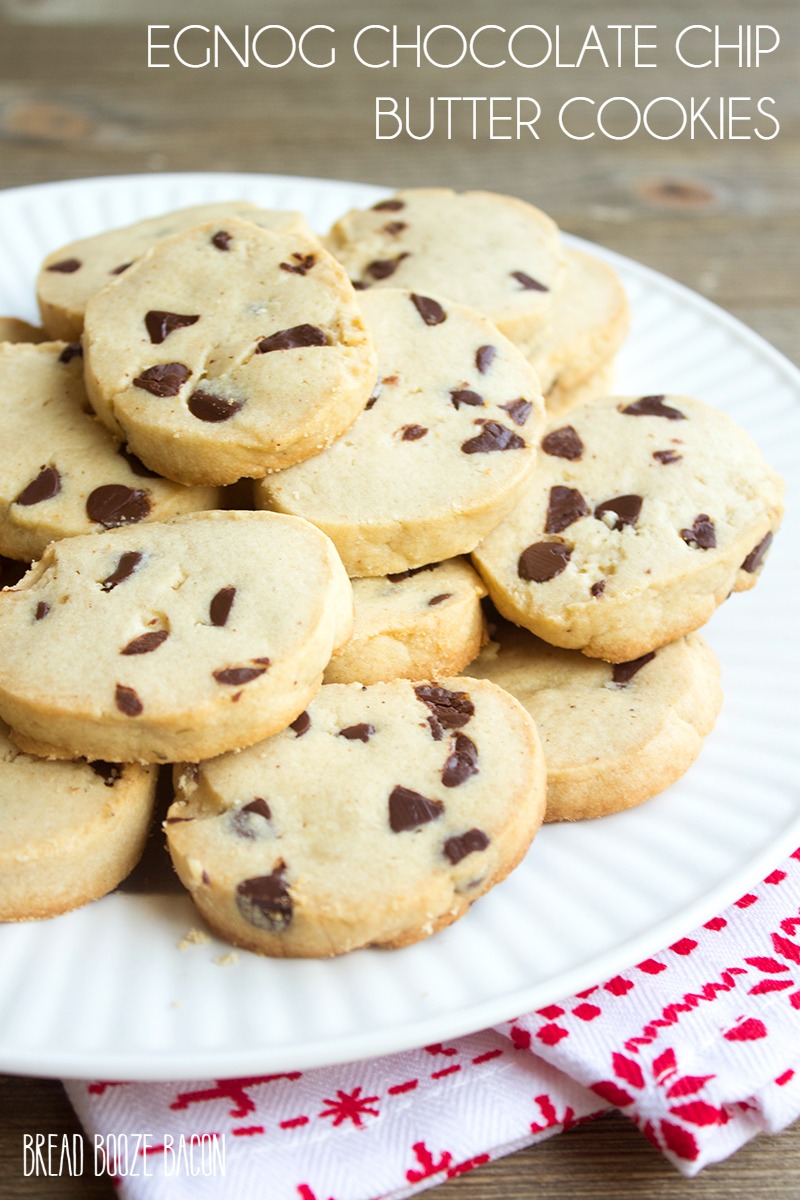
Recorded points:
104,991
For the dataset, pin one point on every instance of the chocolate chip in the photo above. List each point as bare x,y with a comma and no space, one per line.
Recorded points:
653,406
136,464
398,576
70,351
667,456
42,609
292,339
459,396
438,599
265,901
301,266
301,724
221,604
164,379
376,391
598,588
160,325
67,266
360,733
46,485
110,773
484,357
701,536
127,701
518,410
449,710
121,268
623,673
237,675
11,571
493,436
240,818
528,283
412,433
565,506
563,443
757,555
388,206
394,227
114,504
146,642
462,761
430,310
383,268
358,285
409,810
626,510
124,569
222,239
207,406
542,561
456,848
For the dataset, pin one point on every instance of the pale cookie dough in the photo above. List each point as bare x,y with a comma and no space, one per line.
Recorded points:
420,623
69,832
612,736
221,360
496,254
378,818
71,275
600,383
12,329
441,452
61,472
172,640
643,515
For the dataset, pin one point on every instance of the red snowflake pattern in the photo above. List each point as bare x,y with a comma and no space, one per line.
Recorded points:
349,1106
430,1166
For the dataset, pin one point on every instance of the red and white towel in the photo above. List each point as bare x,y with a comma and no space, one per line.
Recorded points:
699,1045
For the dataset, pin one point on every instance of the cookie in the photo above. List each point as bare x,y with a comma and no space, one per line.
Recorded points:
378,818
71,831
560,400
496,254
71,275
172,640
643,515
12,329
61,472
613,736
415,625
441,452
218,360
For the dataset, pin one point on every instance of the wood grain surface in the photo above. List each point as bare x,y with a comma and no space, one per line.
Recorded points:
77,99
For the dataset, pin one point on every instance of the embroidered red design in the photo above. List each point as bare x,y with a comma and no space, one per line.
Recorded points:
349,1106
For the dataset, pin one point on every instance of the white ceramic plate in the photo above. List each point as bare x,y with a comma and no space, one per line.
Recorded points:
105,991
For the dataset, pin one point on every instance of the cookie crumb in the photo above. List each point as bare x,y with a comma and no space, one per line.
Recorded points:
227,960
195,937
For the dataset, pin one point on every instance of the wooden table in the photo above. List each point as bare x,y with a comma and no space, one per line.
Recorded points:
77,99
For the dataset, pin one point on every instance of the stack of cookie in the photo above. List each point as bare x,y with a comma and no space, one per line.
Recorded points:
339,781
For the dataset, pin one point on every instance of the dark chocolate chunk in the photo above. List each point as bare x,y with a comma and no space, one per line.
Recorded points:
757,555
456,848
266,901
146,642
207,406
518,410
221,604
598,588
259,808
701,536
240,819
222,239
114,504
301,724
292,339
394,227
301,266
70,351
388,206
127,701
412,433
42,609
438,599
563,443
67,266
653,406
120,270
667,456
160,325
565,506
237,675
623,673
462,761
127,564
136,464
626,510
493,436
542,561
409,810
164,379
376,391
449,710
484,357
360,733
398,576
459,396
529,284
383,268
430,310
108,772
46,485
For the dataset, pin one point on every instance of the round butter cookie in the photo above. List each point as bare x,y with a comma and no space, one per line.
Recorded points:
61,472
560,400
643,515
496,254
417,624
378,818
12,329
71,275
222,360
71,831
172,640
441,452
612,736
